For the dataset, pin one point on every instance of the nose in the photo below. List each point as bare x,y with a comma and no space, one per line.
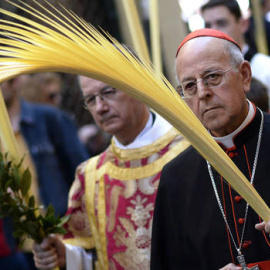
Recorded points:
203,90
101,105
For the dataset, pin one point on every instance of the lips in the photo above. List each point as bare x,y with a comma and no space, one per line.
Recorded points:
107,119
210,109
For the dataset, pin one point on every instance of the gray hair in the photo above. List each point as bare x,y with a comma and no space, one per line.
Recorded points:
236,56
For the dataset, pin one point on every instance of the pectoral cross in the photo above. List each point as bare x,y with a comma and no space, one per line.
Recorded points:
242,262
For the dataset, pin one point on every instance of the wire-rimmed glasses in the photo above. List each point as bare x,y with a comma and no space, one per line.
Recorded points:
212,79
107,94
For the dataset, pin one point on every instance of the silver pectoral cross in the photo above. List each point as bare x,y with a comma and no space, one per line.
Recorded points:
242,262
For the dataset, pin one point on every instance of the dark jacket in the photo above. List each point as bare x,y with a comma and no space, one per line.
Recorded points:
56,151
55,148
189,232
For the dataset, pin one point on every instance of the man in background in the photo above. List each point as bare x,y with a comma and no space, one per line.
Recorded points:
44,88
112,199
258,94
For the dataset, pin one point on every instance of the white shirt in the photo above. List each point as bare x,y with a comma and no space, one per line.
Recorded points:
151,132
227,140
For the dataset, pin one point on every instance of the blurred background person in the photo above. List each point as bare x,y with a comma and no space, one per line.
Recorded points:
258,95
266,14
46,88
265,8
43,88
48,139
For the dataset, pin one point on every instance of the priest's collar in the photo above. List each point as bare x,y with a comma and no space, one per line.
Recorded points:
155,127
147,127
228,140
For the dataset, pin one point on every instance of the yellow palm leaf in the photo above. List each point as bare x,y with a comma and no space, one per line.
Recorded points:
6,133
136,29
155,35
73,46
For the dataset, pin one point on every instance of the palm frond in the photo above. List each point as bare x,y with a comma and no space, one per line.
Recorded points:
59,44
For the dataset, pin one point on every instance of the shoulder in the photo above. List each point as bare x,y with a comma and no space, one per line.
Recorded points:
47,114
36,108
267,122
181,172
80,170
79,181
183,162
90,163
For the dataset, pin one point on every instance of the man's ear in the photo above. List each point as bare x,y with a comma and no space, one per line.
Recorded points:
245,71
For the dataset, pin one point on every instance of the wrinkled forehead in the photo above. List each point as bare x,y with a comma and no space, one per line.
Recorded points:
201,55
89,85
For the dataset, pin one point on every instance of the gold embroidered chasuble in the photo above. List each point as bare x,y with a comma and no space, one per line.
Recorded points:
112,200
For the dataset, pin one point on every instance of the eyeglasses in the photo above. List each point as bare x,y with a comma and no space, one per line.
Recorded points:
188,89
107,94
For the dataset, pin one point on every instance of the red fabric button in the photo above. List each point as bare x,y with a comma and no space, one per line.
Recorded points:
237,198
241,221
246,244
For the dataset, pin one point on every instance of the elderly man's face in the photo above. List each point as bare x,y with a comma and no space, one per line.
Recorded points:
117,112
223,108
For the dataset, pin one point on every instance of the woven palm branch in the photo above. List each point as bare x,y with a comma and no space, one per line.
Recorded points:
73,46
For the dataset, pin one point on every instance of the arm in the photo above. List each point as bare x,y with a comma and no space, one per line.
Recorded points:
69,150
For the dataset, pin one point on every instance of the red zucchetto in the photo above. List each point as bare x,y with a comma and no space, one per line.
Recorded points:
206,32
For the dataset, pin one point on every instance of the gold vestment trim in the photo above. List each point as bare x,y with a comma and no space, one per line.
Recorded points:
146,151
102,221
125,174
90,188
86,243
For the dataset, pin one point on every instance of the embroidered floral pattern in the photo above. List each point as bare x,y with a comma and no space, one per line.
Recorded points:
140,214
137,240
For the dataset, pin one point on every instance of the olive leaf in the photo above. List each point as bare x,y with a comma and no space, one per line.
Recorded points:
16,203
